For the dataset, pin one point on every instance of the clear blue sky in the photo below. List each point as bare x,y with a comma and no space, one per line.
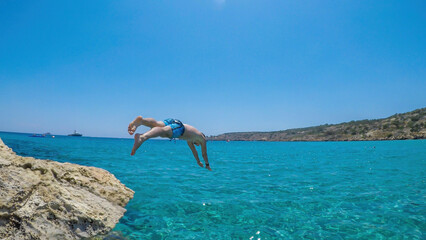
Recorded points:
220,65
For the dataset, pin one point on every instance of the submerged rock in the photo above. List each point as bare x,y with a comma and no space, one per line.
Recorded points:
43,199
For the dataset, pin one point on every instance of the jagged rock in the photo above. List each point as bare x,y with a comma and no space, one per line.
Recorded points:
43,199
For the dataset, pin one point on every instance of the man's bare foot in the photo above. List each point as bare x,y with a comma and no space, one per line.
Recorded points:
138,142
208,167
134,125
200,164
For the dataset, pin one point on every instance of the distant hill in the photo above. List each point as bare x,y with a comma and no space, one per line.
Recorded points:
410,125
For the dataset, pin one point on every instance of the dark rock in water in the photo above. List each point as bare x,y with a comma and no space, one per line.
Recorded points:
43,199
113,235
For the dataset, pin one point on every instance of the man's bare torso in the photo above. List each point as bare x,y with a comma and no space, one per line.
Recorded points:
191,134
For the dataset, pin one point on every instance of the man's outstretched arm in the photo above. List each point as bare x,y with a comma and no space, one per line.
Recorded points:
195,153
204,153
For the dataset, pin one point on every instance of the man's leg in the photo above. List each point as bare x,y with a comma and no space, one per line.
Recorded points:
149,122
154,132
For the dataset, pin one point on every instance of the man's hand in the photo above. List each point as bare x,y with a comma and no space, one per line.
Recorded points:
200,164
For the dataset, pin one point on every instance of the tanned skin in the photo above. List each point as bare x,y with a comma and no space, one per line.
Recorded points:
159,129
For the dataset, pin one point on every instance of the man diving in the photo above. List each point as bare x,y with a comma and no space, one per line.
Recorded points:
170,128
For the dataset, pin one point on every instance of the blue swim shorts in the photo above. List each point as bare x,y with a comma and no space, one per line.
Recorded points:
177,127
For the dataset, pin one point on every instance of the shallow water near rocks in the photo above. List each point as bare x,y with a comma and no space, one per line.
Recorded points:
266,190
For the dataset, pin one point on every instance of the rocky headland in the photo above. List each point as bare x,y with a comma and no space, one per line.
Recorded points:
43,199
410,125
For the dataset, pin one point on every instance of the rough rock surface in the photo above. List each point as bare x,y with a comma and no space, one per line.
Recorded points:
43,199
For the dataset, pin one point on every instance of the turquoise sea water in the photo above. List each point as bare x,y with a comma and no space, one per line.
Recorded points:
257,190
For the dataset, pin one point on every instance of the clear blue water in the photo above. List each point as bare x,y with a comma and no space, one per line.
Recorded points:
266,190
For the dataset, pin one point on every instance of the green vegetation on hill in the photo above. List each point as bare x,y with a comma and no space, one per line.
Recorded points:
411,125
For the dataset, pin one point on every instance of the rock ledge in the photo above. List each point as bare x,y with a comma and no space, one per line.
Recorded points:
43,199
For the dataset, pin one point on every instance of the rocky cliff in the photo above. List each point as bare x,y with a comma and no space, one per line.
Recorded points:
43,199
410,125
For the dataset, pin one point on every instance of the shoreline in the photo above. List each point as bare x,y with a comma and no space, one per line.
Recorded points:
301,141
242,140
404,126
